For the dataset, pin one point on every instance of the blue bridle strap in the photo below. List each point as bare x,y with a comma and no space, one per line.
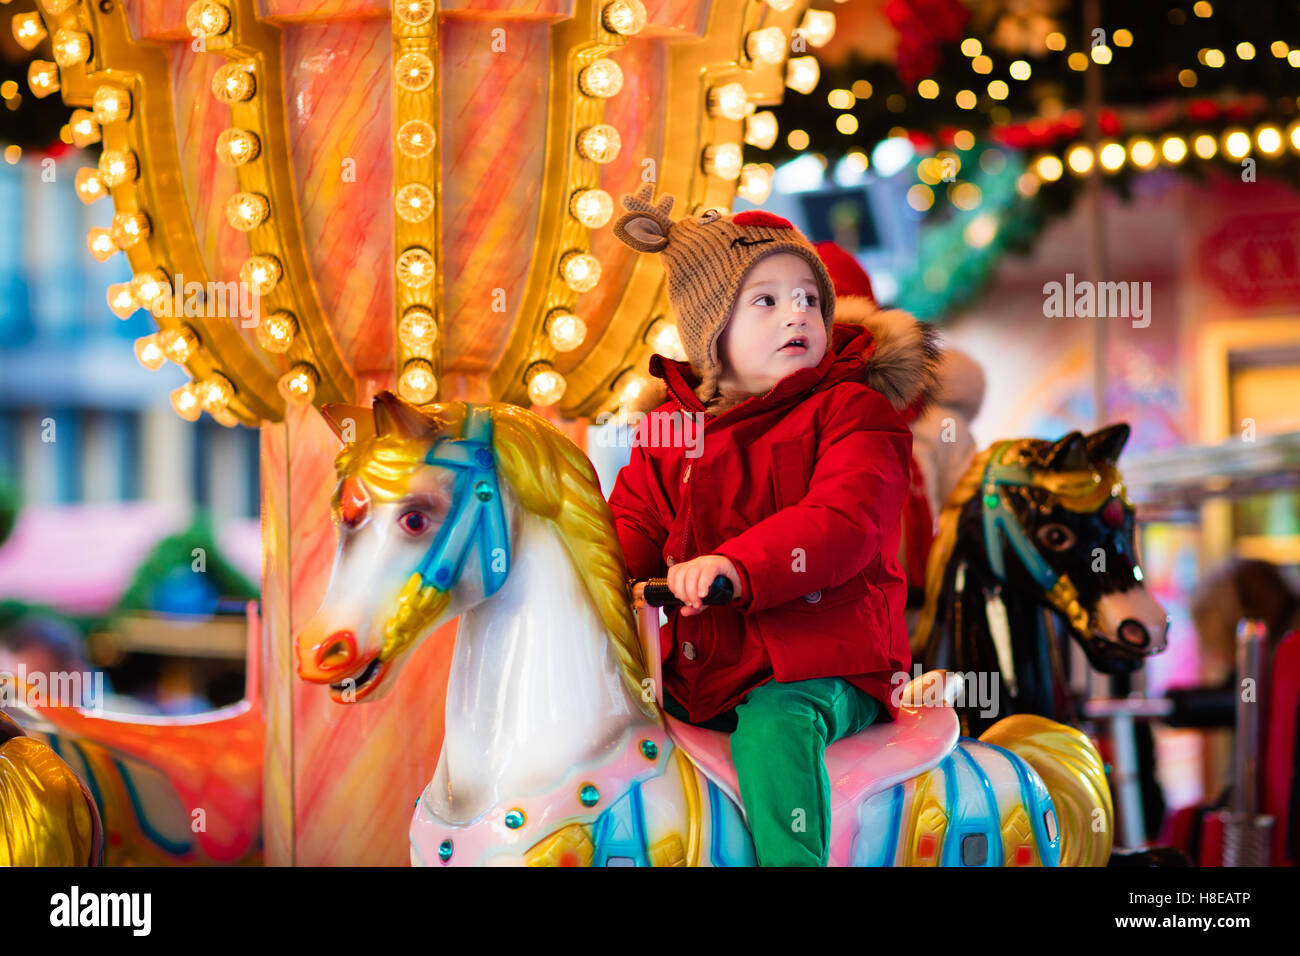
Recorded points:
1001,523
476,515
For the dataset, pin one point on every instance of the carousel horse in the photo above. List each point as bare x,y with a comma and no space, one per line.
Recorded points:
1035,544
171,791
47,816
555,749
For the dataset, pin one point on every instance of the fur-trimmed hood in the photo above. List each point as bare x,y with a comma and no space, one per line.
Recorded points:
897,356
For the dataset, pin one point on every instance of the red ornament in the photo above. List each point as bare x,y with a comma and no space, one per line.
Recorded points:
760,217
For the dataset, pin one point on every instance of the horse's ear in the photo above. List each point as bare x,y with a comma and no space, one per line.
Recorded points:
393,416
1070,454
1105,444
349,423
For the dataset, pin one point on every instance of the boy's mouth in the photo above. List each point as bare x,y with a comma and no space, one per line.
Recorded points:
795,345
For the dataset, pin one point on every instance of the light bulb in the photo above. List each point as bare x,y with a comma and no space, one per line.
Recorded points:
43,78
802,73
592,207
121,301
629,385
260,273
545,384
755,183
149,352
299,383
275,332
665,339
624,17
818,26
413,71
1269,140
29,31
1205,146
413,13
418,384
761,129
186,402
149,287
603,79
55,7
600,143
117,166
71,47
237,146
215,392
1236,144
581,270
89,186
233,83
1143,152
247,211
415,138
414,202
1079,159
723,160
1049,168
129,228
565,330
85,131
101,244
111,104
730,100
178,344
766,45
415,268
207,18
417,330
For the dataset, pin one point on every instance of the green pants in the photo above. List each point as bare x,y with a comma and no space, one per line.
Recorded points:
779,746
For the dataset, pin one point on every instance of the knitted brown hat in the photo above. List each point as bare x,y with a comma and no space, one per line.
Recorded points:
706,258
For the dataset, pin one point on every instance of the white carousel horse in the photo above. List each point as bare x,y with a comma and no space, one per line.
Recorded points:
555,750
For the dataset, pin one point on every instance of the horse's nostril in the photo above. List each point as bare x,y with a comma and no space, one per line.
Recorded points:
1133,632
338,650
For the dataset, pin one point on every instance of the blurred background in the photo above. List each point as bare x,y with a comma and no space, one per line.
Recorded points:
965,152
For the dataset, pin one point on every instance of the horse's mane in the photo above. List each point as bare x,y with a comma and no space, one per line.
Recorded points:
552,479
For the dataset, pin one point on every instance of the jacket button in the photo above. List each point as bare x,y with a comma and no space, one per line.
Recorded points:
812,597
688,650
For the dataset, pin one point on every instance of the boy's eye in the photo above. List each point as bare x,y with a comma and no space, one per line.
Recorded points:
765,299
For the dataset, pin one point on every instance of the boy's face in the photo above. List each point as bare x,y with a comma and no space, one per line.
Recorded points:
776,326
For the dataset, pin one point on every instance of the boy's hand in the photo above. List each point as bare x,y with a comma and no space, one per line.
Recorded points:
690,580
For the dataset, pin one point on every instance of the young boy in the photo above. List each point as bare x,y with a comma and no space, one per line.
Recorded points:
793,494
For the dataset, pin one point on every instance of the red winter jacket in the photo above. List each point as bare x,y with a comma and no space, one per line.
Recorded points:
802,488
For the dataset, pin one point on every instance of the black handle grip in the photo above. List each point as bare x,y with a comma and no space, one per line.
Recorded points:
658,594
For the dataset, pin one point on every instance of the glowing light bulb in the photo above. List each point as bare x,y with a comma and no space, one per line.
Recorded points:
247,211
29,31
592,207
100,243
603,79
723,160
149,353
178,344
1101,54
148,287
665,339
43,78
761,129
414,13
581,270
417,383
415,268
730,100
1205,146
299,383
1112,157
414,202
117,166
129,228
85,131
629,385
260,273
802,73
55,7
565,330
1269,140
415,138
982,65
1143,153
120,300
1049,168
89,186
818,26
417,330
599,143
215,392
1174,149
624,17
1079,159
545,384
1020,70
185,400
275,332
413,72
111,104
237,146
70,47
207,18
981,230
755,183
1237,144
766,45
233,83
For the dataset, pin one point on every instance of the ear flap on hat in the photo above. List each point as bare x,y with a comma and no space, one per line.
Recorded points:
645,227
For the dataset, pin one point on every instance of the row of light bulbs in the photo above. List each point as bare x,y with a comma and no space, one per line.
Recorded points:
594,207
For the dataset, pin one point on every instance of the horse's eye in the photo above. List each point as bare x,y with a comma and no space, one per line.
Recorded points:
1056,536
414,523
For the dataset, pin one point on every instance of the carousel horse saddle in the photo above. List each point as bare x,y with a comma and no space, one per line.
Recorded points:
872,760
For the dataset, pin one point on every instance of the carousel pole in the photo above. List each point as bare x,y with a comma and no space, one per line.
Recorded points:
1096,210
